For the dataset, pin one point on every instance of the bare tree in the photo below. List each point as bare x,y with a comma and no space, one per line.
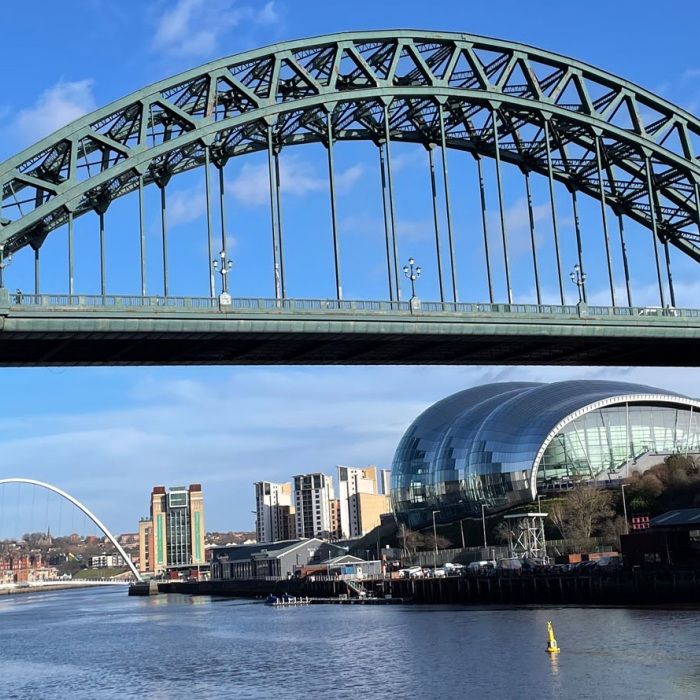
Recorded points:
582,512
431,542
410,540
504,533
557,514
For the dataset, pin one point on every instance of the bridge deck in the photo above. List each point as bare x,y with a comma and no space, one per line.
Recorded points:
59,331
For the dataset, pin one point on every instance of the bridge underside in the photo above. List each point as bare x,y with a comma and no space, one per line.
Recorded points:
317,341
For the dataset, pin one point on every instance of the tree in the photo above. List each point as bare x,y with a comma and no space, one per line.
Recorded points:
410,540
583,511
431,542
504,533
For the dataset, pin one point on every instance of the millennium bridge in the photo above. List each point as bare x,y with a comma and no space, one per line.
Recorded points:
560,199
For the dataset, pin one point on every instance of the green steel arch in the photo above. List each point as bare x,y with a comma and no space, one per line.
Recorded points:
546,113
78,504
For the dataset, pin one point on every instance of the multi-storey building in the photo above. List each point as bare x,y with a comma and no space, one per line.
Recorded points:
360,503
313,494
274,512
174,534
385,481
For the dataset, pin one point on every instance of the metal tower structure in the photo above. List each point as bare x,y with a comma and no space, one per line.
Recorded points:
527,538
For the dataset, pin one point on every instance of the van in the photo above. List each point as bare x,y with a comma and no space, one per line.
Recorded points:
411,572
659,311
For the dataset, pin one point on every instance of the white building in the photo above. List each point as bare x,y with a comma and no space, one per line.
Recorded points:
273,506
313,494
104,561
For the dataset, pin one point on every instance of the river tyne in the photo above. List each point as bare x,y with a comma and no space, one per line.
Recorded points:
99,644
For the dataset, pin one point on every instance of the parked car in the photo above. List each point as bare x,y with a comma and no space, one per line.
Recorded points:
609,563
454,569
512,564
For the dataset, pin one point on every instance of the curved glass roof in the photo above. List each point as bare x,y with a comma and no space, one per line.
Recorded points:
479,445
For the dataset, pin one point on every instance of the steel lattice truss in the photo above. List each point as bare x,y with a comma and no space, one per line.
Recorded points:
545,113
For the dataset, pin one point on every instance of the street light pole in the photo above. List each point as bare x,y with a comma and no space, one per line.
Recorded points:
413,273
578,277
624,510
483,522
224,268
461,527
435,538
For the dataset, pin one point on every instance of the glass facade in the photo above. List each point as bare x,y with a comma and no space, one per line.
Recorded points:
178,514
481,445
610,440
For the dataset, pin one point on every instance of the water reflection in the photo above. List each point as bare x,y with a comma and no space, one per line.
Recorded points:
689,683
554,663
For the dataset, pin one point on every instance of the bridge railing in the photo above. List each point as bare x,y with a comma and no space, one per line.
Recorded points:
415,307
102,301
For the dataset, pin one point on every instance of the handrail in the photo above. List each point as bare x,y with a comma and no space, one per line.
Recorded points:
415,308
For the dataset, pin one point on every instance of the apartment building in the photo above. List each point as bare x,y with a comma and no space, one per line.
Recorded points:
274,512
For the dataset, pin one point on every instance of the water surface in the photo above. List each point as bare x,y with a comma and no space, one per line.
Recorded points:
99,644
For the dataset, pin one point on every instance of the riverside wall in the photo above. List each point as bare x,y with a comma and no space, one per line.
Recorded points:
638,588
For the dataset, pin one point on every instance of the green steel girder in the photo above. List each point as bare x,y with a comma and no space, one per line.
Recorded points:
228,106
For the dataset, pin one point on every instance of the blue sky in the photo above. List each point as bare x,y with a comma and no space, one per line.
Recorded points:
107,435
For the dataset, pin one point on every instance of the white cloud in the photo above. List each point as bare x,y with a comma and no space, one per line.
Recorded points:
56,107
686,292
185,206
408,230
349,177
196,27
415,231
268,14
517,219
691,74
297,178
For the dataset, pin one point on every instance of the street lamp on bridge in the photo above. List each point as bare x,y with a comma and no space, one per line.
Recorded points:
412,273
224,267
578,277
4,262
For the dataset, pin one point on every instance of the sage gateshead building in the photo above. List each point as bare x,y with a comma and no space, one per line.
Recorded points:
500,445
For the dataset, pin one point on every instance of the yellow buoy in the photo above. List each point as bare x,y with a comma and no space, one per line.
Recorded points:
552,647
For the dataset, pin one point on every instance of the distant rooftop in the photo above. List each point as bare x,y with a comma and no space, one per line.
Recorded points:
675,518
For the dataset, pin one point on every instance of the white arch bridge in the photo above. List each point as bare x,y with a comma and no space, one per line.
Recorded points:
85,510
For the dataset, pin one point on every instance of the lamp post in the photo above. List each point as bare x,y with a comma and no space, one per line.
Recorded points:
412,273
578,277
224,267
624,510
4,262
461,527
435,538
483,522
